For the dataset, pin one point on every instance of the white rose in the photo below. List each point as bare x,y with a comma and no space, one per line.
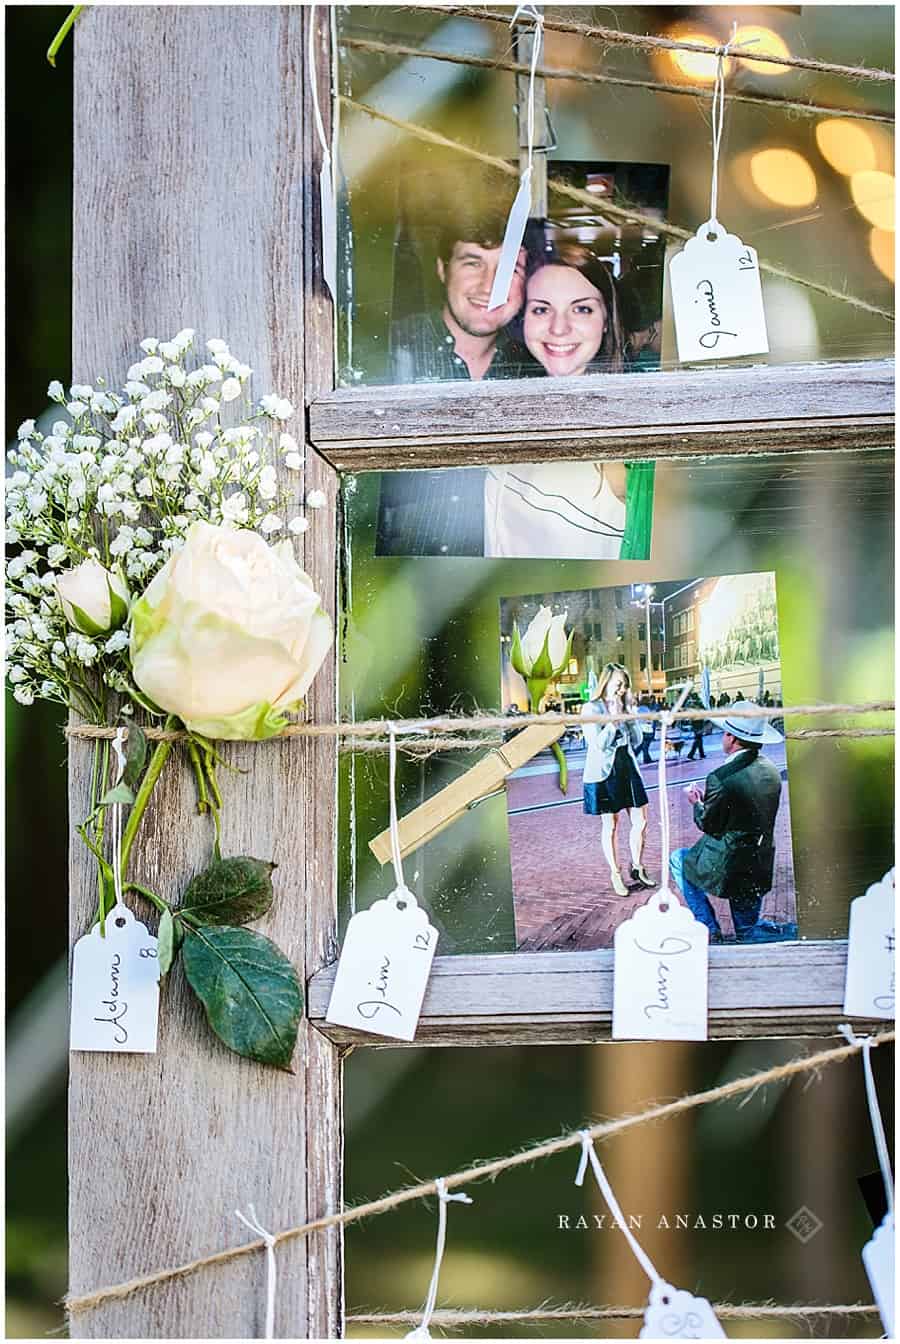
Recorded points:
94,600
228,634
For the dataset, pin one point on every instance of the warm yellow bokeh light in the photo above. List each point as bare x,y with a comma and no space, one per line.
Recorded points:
873,196
696,65
881,250
846,146
783,176
766,43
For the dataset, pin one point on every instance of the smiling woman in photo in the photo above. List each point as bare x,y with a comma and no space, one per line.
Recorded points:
571,322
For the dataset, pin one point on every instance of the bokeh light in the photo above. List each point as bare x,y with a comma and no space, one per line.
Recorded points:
765,41
846,146
873,196
695,65
783,176
881,250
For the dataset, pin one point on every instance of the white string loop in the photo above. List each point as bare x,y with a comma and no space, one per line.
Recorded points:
444,1198
667,718
881,1147
118,747
271,1269
314,87
718,120
589,1154
531,12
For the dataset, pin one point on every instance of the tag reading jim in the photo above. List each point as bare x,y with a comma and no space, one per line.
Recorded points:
115,987
869,988
660,973
717,297
383,968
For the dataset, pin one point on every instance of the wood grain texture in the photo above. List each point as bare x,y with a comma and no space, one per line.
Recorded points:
787,408
778,989
190,210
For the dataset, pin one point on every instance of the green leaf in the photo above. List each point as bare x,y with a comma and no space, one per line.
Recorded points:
230,891
171,936
85,624
542,667
135,754
120,794
516,656
249,989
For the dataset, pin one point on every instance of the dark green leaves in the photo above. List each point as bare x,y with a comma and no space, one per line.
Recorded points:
249,989
230,891
120,794
135,755
171,936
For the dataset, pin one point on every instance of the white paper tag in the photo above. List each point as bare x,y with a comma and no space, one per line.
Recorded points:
328,208
660,973
869,989
673,1313
383,968
512,243
115,987
878,1258
717,297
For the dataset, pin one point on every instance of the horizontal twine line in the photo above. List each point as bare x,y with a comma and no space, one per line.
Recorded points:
646,42
482,1170
624,216
456,724
772,100
724,1310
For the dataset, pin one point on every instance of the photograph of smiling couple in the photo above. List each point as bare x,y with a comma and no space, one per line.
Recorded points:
585,298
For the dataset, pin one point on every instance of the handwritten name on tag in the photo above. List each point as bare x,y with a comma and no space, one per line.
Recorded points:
660,973
673,1313
717,297
115,987
870,985
878,1258
384,967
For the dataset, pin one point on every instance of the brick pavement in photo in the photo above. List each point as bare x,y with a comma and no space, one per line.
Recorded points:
564,900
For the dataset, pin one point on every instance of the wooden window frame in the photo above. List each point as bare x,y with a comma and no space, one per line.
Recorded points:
781,989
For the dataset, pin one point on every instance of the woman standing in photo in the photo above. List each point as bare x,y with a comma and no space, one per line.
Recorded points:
571,510
612,780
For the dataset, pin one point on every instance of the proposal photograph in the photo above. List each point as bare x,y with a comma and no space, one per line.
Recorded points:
584,832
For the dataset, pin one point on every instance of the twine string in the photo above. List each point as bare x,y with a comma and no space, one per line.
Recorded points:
589,1154
718,121
482,1170
881,1147
444,1198
545,1313
271,1268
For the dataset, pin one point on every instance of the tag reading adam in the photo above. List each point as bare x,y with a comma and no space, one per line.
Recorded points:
673,1313
383,968
115,987
869,989
660,973
717,297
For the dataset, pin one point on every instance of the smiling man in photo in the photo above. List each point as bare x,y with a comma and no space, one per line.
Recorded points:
464,339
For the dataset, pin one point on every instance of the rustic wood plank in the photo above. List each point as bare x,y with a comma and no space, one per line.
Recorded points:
774,989
786,408
189,210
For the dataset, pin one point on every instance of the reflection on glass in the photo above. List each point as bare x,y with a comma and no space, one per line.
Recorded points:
422,634
812,193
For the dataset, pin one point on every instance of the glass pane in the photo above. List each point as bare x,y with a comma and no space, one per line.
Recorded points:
430,634
813,194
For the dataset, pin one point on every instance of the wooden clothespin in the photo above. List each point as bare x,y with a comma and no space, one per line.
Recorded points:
489,775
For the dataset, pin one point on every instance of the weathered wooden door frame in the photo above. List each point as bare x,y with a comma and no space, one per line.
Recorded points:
195,205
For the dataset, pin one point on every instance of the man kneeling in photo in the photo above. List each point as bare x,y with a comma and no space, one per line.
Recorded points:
735,857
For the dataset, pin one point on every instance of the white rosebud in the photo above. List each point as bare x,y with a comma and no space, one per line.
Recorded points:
55,391
298,525
293,461
94,600
150,344
231,389
316,499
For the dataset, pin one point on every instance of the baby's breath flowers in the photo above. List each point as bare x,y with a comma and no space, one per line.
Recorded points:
115,486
